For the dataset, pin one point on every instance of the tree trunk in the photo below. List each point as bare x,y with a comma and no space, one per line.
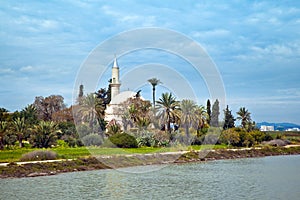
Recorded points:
169,126
187,133
20,141
153,96
91,122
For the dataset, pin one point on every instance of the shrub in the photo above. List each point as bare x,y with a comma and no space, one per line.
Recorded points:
123,140
156,139
246,139
268,137
92,140
145,141
113,128
162,137
39,155
258,136
61,143
231,136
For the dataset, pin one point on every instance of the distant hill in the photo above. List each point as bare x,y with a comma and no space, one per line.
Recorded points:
278,126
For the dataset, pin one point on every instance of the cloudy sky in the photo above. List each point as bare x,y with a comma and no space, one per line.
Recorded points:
255,46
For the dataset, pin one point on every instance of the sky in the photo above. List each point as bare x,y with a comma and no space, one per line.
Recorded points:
255,46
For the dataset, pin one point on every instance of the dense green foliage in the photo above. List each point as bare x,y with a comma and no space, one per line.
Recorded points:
208,110
229,119
244,116
157,139
44,134
123,140
168,108
49,123
242,138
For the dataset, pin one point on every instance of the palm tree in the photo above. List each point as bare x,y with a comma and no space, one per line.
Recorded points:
30,114
244,116
44,134
169,109
188,115
19,127
202,116
91,108
154,82
139,112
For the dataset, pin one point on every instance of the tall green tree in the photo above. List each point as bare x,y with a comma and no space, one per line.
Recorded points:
139,111
4,114
30,114
215,114
188,115
202,116
19,127
169,108
80,94
44,134
228,119
92,110
208,110
154,82
245,116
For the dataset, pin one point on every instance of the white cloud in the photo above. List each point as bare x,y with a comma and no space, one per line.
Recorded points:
277,49
128,19
51,39
36,24
290,92
28,68
215,33
6,71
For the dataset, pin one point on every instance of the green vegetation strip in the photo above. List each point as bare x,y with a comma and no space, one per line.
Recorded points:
72,153
116,161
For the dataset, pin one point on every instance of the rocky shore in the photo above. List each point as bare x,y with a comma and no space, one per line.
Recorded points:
14,170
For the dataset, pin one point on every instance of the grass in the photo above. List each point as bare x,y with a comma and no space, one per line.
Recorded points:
92,163
71,153
13,155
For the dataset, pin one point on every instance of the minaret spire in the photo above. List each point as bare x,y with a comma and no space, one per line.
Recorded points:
115,84
115,65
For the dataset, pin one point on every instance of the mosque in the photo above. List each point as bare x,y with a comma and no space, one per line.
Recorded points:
117,97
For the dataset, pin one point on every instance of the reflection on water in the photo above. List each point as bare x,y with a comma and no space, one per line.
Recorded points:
257,178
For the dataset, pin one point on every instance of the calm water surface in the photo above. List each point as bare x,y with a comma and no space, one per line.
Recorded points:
257,178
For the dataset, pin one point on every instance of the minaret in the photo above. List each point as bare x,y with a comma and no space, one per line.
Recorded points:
115,84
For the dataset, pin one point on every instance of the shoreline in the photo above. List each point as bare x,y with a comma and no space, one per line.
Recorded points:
33,169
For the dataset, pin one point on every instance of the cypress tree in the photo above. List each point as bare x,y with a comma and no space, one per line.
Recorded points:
214,121
208,110
80,91
229,119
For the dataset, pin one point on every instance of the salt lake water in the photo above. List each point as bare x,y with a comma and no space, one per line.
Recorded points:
275,177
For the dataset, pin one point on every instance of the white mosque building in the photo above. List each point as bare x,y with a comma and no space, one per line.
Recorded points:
117,97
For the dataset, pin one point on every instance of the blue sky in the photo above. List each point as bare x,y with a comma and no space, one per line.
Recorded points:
254,44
